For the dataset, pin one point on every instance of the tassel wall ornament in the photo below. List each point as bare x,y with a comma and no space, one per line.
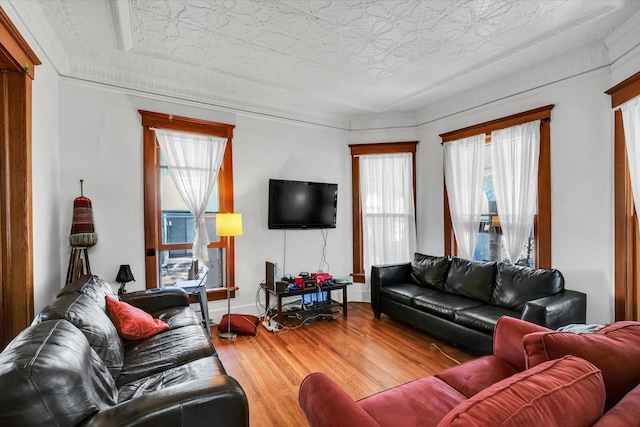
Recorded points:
82,229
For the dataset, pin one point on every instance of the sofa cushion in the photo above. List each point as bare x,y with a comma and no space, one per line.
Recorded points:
177,317
87,315
515,285
443,304
413,403
473,279
473,376
207,367
566,392
131,322
50,376
158,353
92,286
625,413
482,318
430,270
614,349
404,293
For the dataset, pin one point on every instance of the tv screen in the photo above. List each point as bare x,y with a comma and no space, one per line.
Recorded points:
300,204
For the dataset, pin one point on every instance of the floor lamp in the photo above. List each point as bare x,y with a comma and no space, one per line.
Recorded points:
228,225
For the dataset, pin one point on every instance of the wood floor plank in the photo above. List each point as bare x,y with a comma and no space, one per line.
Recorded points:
362,354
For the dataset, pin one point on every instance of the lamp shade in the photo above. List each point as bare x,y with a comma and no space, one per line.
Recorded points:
229,224
124,274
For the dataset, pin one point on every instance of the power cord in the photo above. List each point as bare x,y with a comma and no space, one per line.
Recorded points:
445,354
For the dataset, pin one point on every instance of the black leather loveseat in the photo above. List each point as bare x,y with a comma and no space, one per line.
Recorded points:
460,301
70,367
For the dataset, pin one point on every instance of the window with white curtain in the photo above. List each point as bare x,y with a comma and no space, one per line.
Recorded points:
492,189
384,223
188,179
388,212
514,219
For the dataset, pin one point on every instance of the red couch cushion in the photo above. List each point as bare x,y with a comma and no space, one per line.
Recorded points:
131,322
422,402
614,349
567,392
626,413
326,404
475,375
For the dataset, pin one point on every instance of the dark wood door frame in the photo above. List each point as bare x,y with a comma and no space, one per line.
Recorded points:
17,65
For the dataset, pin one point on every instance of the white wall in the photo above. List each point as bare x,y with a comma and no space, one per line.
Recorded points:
264,149
46,186
582,181
101,142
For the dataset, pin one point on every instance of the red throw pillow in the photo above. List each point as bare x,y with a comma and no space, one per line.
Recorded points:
131,322
566,392
243,324
614,349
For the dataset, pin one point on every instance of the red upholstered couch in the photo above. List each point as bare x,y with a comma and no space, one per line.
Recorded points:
535,377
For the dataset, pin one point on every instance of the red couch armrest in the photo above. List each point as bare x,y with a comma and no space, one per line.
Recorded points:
326,405
507,340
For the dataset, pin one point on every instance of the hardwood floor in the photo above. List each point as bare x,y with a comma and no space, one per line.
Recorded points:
363,354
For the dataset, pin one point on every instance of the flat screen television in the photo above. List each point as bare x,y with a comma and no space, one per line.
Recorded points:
302,204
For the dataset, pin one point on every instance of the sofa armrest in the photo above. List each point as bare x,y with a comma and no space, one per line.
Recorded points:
507,340
389,274
325,404
151,300
557,310
219,400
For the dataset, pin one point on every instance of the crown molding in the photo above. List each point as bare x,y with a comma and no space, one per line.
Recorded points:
591,58
29,19
624,49
198,92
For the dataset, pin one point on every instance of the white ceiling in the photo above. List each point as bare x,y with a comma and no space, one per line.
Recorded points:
321,57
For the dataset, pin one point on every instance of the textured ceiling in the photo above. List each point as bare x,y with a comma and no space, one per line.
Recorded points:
331,57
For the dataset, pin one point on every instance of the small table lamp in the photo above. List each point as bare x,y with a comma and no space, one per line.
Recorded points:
123,277
227,225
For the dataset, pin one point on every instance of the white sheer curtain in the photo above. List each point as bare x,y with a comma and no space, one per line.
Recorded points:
631,123
463,173
388,214
194,161
514,162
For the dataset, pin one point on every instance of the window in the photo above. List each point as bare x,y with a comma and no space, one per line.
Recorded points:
371,212
540,243
169,229
490,245
626,234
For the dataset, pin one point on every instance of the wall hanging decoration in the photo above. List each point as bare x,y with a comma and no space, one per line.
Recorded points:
82,236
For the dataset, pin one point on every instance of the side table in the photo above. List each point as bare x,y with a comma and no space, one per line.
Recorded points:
323,288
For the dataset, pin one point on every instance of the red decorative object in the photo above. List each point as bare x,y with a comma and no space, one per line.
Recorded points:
131,322
82,229
241,324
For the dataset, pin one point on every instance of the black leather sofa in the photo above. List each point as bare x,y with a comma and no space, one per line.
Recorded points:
460,301
70,367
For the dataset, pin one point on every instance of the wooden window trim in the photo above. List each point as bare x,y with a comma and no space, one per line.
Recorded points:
542,220
151,120
358,274
626,245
